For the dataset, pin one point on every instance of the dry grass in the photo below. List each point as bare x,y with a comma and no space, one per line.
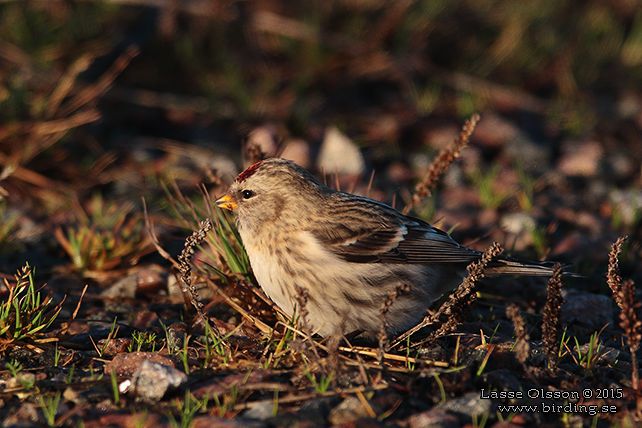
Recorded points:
185,267
385,308
551,317
522,344
441,163
624,296
449,314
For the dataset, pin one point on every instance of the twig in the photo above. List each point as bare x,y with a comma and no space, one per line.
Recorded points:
551,316
522,346
385,308
461,298
185,267
624,296
441,163
368,352
302,297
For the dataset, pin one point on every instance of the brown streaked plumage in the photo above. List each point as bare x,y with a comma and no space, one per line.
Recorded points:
349,252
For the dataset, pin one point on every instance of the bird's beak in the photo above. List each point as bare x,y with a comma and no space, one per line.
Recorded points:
226,202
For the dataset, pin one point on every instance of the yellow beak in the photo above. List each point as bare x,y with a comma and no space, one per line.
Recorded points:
226,202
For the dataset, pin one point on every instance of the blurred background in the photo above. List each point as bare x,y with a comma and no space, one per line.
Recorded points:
105,102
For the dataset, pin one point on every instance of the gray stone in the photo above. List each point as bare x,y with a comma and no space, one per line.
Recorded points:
433,418
153,380
469,405
339,154
590,310
350,409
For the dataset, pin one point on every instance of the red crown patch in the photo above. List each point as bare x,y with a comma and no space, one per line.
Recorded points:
248,172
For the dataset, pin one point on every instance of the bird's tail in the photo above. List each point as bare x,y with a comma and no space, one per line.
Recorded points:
507,266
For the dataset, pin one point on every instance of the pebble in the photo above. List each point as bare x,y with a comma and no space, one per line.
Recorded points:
298,151
265,138
152,380
339,154
581,158
588,309
433,418
469,405
350,409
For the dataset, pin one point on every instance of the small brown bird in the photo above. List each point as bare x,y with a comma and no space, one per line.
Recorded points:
349,252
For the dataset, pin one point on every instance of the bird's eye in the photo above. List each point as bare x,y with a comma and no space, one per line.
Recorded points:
247,194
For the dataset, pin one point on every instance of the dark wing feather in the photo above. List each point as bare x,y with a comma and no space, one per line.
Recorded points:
379,234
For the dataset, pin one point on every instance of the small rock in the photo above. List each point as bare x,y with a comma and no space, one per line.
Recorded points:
265,138
581,158
126,364
73,396
174,291
151,279
470,405
262,410
122,289
520,226
517,223
588,309
433,418
339,154
350,409
144,280
297,151
152,380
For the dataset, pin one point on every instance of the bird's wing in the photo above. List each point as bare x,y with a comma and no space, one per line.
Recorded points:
370,232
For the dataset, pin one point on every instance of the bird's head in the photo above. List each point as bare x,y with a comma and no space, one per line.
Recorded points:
269,190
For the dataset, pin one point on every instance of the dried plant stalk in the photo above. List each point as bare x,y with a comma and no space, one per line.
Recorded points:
632,326
551,316
302,297
385,308
613,278
185,266
522,345
452,309
441,164
624,296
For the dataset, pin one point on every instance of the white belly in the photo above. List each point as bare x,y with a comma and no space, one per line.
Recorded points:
328,311
272,279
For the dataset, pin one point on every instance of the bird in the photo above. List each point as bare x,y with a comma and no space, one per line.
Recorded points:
346,252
